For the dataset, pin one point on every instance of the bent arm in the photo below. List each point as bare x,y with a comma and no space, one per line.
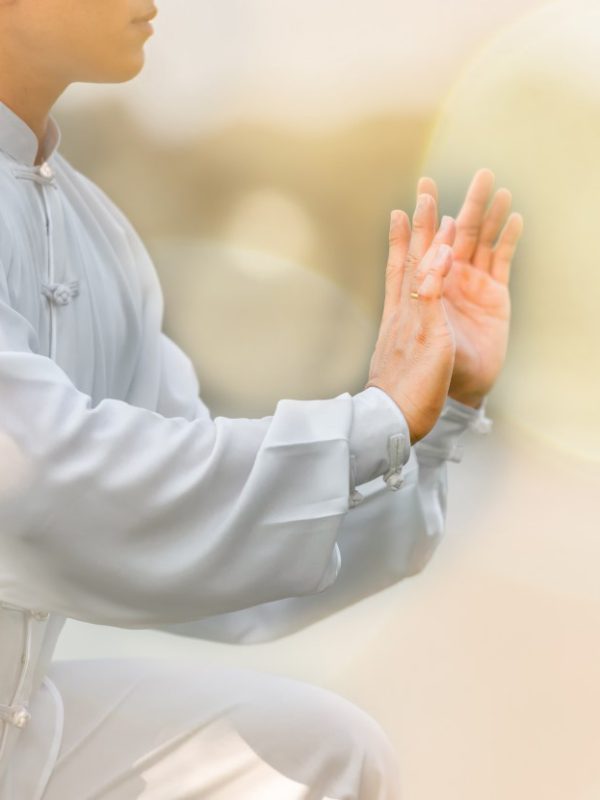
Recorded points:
389,536
149,512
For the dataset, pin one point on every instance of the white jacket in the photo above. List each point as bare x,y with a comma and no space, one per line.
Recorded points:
122,502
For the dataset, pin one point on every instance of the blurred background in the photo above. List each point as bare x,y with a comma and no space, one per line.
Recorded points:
259,154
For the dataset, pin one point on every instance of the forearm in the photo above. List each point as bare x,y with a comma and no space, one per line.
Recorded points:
388,536
118,515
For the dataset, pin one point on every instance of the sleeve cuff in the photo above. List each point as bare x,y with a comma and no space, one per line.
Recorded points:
379,439
442,442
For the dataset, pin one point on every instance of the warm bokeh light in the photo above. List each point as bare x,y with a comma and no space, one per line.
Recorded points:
308,66
529,107
268,220
255,322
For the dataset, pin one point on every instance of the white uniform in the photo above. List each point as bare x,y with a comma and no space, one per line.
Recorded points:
122,502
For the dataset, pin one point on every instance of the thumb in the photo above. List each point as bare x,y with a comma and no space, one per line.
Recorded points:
399,239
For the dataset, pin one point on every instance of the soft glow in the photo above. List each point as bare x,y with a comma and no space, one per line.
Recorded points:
259,327
529,108
268,220
310,65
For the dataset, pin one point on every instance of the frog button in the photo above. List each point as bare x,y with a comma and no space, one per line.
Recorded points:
61,293
46,170
20,717
399,451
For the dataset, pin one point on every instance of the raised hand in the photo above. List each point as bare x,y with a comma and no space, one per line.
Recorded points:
476,291
414,354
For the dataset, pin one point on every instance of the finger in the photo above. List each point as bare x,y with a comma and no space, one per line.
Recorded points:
472,213
399,238
431,289
505,249
428,186
491,227
446,235
423,231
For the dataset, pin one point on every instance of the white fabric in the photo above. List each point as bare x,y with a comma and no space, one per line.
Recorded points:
159,730
123,502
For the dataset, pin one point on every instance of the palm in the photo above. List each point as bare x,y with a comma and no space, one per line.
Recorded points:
479,311
476,291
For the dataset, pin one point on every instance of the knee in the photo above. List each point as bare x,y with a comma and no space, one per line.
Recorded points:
331,745
365,757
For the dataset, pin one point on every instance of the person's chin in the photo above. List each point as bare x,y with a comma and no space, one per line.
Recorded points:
123,70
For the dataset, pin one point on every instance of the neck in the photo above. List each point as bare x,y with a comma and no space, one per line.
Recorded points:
30,98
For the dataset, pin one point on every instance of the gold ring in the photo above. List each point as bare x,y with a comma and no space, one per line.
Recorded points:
414,295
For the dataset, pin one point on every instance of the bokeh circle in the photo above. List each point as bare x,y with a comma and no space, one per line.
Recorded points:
529,107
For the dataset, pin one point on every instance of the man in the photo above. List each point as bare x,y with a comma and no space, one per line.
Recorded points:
123,502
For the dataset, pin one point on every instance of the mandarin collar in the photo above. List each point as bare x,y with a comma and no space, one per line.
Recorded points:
20,142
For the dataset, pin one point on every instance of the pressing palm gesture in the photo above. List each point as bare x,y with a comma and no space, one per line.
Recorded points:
476,292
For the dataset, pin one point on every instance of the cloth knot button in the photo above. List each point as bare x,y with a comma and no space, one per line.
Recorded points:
398,453
395,480
18,716
46,170
61,293
355,496
21,717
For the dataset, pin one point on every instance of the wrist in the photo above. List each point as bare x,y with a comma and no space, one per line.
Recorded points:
377,423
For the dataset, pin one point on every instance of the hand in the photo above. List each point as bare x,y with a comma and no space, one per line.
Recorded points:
414,353
476,291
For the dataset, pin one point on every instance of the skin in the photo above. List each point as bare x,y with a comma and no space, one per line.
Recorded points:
445,325
476,293
415,350
49,44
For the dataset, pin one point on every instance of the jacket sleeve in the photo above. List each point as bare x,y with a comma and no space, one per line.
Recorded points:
125,515
387,535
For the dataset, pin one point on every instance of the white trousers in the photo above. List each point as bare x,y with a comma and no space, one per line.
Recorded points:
166,730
